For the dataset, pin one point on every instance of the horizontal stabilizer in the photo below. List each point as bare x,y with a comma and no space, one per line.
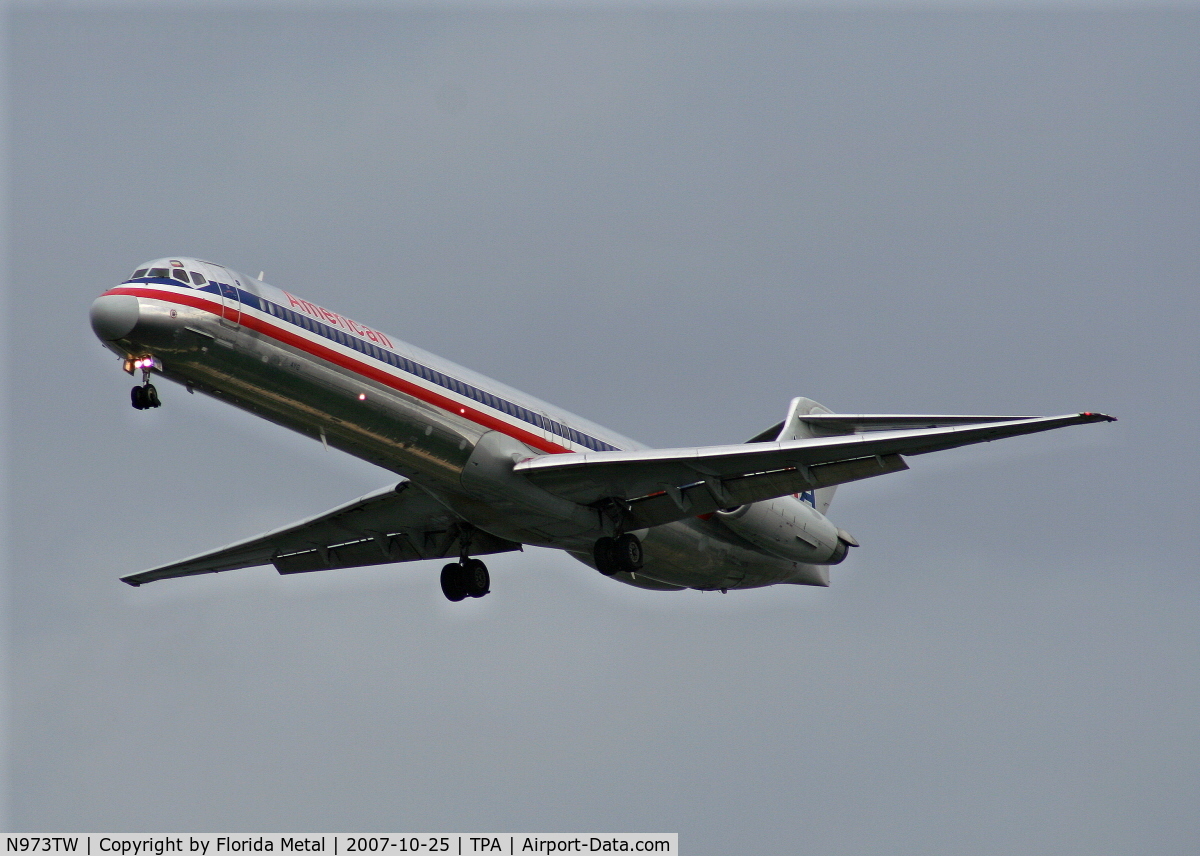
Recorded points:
830,424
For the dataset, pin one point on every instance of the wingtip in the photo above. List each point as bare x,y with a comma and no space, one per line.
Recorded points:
1097,417
130,581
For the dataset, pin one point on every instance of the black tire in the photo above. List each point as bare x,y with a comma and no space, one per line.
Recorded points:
452,582
476,580
604,552
137,398
628,552
152,396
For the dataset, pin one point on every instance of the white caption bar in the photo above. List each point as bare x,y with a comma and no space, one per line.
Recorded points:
390,844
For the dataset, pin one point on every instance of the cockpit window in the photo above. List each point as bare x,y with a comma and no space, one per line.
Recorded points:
138,273
180,275
162,272
197,279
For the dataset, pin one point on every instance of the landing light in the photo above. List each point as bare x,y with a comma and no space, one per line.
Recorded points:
145,363
362,396
133,364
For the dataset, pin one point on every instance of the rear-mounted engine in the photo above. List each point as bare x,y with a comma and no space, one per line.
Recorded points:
789,528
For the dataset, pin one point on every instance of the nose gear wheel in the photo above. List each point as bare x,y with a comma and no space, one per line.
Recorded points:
144,397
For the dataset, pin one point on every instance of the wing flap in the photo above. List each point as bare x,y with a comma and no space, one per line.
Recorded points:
705,497
400,524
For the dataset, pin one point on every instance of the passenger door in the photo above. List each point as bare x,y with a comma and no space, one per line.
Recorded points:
227,285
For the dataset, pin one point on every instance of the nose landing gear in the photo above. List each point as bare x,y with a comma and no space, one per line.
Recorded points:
145,396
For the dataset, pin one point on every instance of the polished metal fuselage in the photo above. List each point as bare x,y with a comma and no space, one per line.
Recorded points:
236,347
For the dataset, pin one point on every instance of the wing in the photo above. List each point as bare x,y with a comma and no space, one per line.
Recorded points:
398,524
660,485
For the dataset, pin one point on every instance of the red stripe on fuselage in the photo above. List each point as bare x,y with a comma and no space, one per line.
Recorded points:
287,337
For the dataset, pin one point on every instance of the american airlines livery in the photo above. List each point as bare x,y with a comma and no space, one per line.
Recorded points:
486,469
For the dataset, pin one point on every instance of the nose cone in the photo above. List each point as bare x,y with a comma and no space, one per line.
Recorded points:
114,316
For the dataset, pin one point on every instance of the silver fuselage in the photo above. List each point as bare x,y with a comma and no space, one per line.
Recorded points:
440,425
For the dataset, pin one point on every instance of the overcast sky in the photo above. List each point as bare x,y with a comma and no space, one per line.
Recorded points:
669,221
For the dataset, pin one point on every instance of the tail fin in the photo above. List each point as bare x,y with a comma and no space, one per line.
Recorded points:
793,427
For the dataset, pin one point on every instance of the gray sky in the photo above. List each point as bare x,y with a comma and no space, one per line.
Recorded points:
670,222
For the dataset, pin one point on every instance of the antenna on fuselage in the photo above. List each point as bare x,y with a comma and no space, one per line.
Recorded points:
260,275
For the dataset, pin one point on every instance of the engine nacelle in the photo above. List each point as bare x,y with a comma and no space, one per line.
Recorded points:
788,528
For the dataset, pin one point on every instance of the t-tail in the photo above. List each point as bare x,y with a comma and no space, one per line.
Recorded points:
794,427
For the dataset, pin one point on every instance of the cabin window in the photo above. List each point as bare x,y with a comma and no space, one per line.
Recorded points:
140,272
197,279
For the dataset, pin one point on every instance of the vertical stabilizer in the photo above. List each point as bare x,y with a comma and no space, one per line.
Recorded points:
795,428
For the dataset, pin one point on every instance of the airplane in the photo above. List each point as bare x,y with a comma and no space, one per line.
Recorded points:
486,469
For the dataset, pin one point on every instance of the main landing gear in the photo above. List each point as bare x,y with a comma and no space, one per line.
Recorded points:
468,578
145,396
614,555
